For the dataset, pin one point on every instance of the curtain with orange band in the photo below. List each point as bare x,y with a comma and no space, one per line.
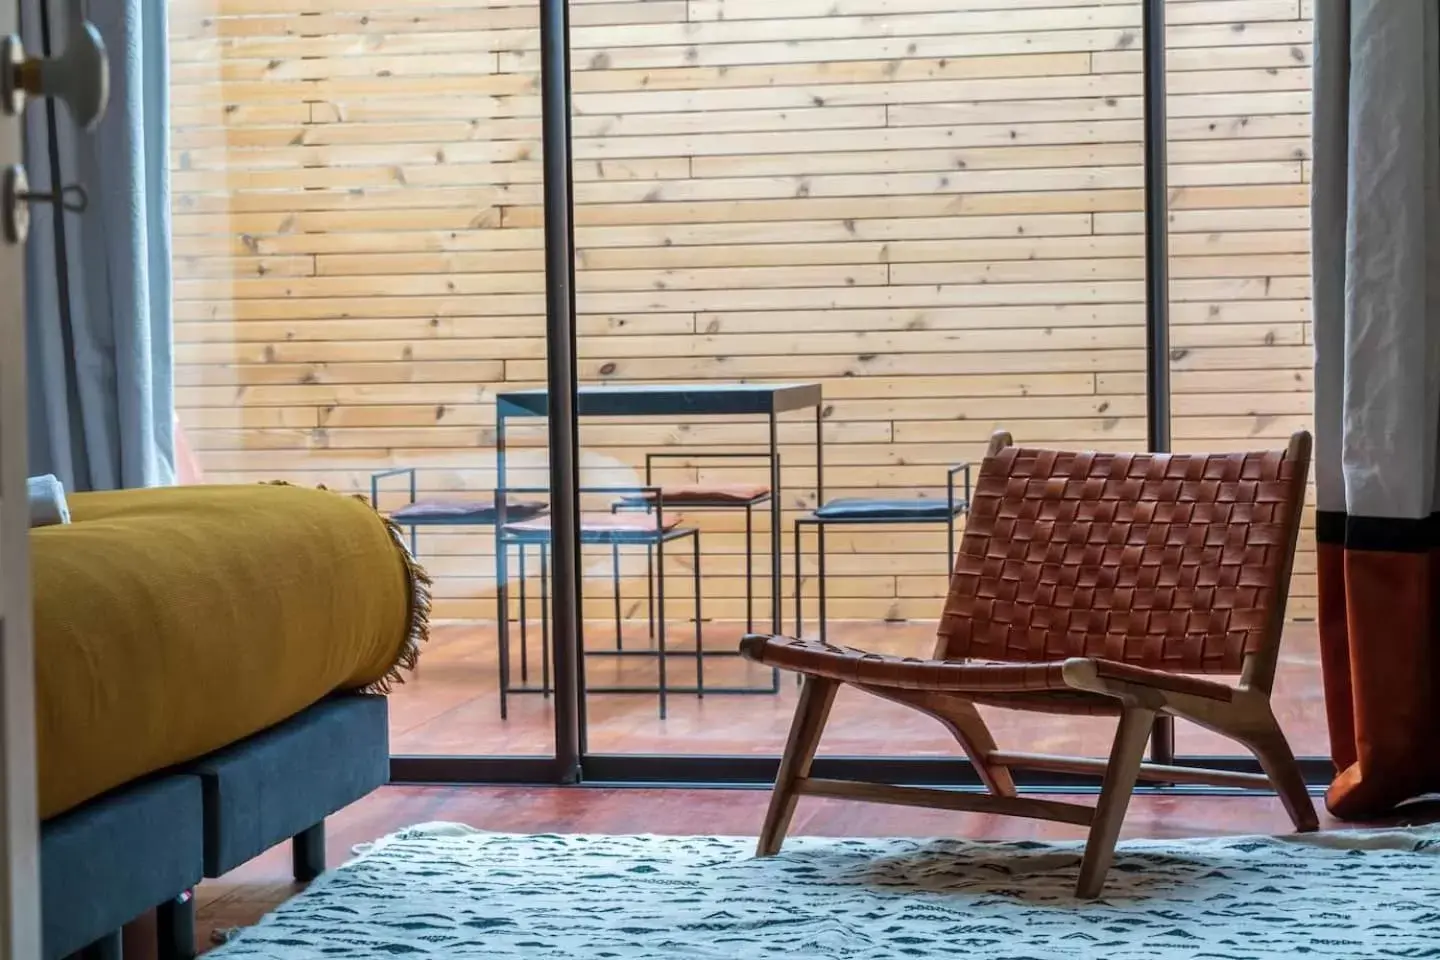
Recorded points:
1376,248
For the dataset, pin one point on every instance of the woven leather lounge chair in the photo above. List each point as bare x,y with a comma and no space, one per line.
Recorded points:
1087,583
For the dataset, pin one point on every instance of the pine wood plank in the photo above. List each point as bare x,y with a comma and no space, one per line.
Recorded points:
933,207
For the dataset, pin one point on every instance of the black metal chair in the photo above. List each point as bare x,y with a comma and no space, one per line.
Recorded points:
652,530
864,511
444,512
700,497
447,512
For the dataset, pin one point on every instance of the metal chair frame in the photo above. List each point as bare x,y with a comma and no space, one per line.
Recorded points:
690,505
655,540
957,508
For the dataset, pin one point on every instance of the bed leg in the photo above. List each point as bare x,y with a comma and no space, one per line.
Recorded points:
175,928
108,947
308,852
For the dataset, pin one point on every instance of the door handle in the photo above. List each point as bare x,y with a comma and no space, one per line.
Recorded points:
80,75
16,197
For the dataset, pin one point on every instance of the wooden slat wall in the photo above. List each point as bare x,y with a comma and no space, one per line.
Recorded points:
932,206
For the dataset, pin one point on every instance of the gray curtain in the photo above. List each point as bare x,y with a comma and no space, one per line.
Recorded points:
1375,223
99,323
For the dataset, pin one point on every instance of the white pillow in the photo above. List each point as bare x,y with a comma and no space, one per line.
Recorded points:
47,501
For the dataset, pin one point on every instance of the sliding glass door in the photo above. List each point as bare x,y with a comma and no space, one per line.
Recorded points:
897,206
359,269
1241,348
819,251
940,218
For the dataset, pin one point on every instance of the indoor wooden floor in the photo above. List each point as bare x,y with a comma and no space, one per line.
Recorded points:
243,896
452,705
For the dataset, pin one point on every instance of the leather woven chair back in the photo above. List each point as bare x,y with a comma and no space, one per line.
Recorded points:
1177,562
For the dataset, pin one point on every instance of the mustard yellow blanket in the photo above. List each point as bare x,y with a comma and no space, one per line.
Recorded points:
172,622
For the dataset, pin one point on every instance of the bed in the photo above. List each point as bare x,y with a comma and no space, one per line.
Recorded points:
209,665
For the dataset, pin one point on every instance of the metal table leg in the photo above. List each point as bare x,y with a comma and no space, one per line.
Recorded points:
819,454
749,568
660,630
502,607
650,590
524,618
502,616
799,593
545,619
819,501
699,640
615,576
775,546
820,576
820,526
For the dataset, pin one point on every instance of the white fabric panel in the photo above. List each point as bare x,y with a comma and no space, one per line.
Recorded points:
1328,193
1378,348
101,384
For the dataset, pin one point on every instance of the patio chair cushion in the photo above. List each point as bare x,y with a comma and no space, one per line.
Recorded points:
865,508
603,527
717,493
453,512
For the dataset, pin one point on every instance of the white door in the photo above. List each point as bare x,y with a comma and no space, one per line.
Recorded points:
19,817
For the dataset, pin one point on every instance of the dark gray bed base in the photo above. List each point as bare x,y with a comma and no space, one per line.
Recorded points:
147,845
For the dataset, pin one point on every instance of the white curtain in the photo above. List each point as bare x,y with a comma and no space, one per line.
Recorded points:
1376,241
1376,232
99,321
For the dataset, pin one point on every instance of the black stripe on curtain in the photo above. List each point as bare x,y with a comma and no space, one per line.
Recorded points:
1391,534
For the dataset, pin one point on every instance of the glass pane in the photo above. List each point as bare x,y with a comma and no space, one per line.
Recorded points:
1239,92
358,263
934,215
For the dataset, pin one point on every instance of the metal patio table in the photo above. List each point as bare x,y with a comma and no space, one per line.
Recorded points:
764,401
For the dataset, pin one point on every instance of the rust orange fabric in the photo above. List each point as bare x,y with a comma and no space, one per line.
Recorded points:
1380,649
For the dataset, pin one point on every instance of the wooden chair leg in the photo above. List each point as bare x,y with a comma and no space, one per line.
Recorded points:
1126,755
1266,740
963,720
816,697
968,727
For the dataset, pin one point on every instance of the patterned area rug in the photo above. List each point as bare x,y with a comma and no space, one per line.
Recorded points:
442,890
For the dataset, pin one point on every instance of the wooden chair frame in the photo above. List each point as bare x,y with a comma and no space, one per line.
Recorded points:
1245,717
